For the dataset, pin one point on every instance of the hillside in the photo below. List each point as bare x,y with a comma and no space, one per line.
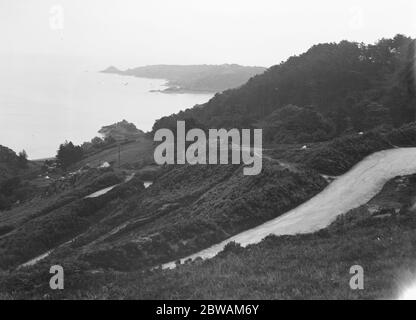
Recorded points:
194,78
122,130
186,209
179,214
332,89
284,267
15,173
322,113
310,266
8,163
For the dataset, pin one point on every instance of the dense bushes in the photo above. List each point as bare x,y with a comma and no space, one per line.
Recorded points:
192,207
98,143
22,161
280,267
68,154
351,85
11,163
61,218
231,248
14,190
292,124
339,155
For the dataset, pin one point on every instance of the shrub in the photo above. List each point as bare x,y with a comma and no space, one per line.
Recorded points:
231,248
69,154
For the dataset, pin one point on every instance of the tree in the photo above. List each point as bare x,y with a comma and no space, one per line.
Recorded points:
68,154
109,140
9,186
5,203
97,142
22,159
323,77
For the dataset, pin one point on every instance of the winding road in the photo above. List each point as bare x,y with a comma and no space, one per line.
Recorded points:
349,191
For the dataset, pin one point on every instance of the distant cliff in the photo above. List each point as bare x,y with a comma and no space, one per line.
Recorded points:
191,78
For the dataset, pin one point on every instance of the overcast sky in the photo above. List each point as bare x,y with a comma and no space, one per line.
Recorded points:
136,32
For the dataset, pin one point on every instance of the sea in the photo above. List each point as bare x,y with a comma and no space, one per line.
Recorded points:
45,101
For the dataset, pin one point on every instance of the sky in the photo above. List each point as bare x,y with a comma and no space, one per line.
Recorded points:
128,33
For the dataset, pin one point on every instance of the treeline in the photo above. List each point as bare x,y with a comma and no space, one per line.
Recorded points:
12,189
334,87
69,154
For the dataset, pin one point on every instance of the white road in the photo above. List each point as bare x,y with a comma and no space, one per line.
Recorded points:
101,192
347,192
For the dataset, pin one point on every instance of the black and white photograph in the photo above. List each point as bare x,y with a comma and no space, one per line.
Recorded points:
224,151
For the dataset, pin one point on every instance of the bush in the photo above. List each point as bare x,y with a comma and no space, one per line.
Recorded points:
68,154
22,159
231,248
5,203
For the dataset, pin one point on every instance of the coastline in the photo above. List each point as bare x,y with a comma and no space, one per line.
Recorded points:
170,87
181,90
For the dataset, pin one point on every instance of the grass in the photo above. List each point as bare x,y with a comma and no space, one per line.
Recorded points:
187,209
310,266
337,156
133,154
46,223
191,207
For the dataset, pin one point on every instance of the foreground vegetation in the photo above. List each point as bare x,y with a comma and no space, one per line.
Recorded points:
310,266
53,217
188,208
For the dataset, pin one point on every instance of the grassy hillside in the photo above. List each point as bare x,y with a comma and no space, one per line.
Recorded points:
186,209
309,266
16,178
337,156
133,154
8,163
190,208
54,217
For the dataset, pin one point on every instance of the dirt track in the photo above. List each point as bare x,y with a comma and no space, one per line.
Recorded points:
347,192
